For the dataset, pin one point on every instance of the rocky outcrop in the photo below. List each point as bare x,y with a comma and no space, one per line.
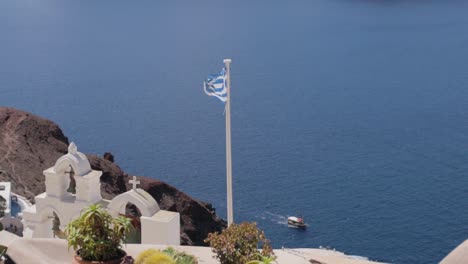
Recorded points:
109,156
196,217
113,179
30,144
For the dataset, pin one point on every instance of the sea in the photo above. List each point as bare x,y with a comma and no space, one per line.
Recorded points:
350,113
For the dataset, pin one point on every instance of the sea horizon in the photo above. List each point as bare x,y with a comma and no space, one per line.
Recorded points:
349,113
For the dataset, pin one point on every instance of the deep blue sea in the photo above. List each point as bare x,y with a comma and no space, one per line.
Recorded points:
353,113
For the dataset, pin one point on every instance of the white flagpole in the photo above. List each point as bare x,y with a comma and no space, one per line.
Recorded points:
230,211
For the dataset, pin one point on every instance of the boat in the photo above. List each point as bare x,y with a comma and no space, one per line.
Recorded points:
296,222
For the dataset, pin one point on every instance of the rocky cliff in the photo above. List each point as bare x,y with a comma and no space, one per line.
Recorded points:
30,144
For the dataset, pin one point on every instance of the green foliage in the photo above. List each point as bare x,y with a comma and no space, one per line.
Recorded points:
143,255
239,244
96,236
262,259
160,258
180,257
2,206
3,250
152,256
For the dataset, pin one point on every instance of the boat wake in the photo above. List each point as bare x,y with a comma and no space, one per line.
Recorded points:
275,218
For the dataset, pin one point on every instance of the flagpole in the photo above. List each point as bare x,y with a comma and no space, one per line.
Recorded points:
230,212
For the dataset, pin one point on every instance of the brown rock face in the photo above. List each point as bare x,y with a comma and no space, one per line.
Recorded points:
113,179
109,156
30,144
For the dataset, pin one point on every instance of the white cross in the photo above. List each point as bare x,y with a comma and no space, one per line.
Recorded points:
134,182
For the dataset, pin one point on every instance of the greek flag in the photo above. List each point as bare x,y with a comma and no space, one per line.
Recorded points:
215,85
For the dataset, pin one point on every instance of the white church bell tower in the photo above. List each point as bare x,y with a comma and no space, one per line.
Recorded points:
76,165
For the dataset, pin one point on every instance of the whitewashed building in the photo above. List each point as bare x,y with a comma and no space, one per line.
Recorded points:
71,186
13,205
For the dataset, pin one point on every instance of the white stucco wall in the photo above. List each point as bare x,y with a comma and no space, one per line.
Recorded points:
6,194
163,228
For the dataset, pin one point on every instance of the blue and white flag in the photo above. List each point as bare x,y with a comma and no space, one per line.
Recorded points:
215,85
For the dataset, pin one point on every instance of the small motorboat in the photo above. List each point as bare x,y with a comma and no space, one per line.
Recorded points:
296,222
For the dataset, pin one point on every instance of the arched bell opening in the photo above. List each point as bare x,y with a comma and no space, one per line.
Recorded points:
57,232
51,225
134,214
72,183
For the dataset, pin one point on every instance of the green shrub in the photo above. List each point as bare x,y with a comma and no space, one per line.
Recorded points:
159,258
239,244
262,259
96,236
152,256
143,255
3,250
147,257
180,257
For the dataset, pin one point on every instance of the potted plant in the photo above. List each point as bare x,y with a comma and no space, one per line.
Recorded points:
96,237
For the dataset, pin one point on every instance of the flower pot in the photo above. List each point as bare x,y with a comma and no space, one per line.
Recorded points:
78,260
